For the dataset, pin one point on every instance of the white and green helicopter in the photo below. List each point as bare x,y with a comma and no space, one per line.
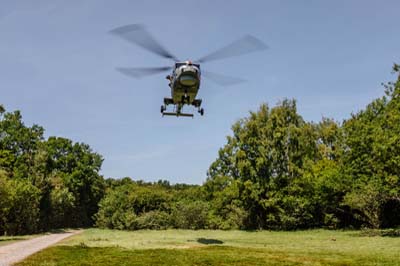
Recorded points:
185,78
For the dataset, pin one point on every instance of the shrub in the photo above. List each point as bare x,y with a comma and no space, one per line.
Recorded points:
153,220
190,215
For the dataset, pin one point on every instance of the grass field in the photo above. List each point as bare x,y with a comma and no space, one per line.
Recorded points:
207,247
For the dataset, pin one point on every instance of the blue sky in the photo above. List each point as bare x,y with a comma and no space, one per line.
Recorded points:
57,67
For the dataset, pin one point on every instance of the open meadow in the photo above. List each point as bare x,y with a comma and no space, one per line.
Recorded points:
208,247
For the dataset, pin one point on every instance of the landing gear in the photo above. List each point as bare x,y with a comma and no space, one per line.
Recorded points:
168,101
163,108
185,100
197,103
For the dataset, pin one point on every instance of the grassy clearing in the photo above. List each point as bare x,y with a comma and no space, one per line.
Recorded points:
207,247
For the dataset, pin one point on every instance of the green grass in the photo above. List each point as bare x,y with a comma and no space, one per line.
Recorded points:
207,247
5,240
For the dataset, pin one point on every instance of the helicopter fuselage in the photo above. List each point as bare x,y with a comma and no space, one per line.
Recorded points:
184,84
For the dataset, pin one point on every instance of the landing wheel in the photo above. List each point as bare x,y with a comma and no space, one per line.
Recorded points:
163,108
201,111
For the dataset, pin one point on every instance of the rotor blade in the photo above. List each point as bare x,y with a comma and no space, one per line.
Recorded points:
137,34
247,44
221,79
139,72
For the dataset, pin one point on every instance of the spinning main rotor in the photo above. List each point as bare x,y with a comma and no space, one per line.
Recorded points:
137,34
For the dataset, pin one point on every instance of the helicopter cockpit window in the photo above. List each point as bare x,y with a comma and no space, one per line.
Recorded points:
177,65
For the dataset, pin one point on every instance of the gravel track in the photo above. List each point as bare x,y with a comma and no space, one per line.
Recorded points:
19,250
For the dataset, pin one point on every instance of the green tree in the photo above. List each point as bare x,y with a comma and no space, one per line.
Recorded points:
19,206
18,144
65,174
266,156
372,157
79,167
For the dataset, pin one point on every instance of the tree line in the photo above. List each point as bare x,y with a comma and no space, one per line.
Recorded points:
276,171
45,183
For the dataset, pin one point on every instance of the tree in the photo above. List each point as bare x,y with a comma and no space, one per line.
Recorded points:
18,144
372,157
63,176
265,157
19,206
76,168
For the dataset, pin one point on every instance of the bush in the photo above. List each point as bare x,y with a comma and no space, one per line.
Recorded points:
190,215
153,220
232,217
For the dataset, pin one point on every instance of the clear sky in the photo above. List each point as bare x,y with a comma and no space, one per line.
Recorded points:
57,65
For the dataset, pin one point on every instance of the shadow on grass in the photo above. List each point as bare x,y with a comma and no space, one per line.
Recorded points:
209,241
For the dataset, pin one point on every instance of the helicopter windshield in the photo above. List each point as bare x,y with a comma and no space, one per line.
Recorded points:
177,65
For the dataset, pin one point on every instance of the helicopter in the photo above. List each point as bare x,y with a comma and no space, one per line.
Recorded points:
185,77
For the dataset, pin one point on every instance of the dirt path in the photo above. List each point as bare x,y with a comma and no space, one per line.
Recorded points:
18,251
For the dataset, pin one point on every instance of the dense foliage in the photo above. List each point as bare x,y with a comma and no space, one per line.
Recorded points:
45,184
287,173
139,205
276,171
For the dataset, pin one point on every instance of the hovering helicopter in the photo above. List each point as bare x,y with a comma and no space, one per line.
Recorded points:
185,78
